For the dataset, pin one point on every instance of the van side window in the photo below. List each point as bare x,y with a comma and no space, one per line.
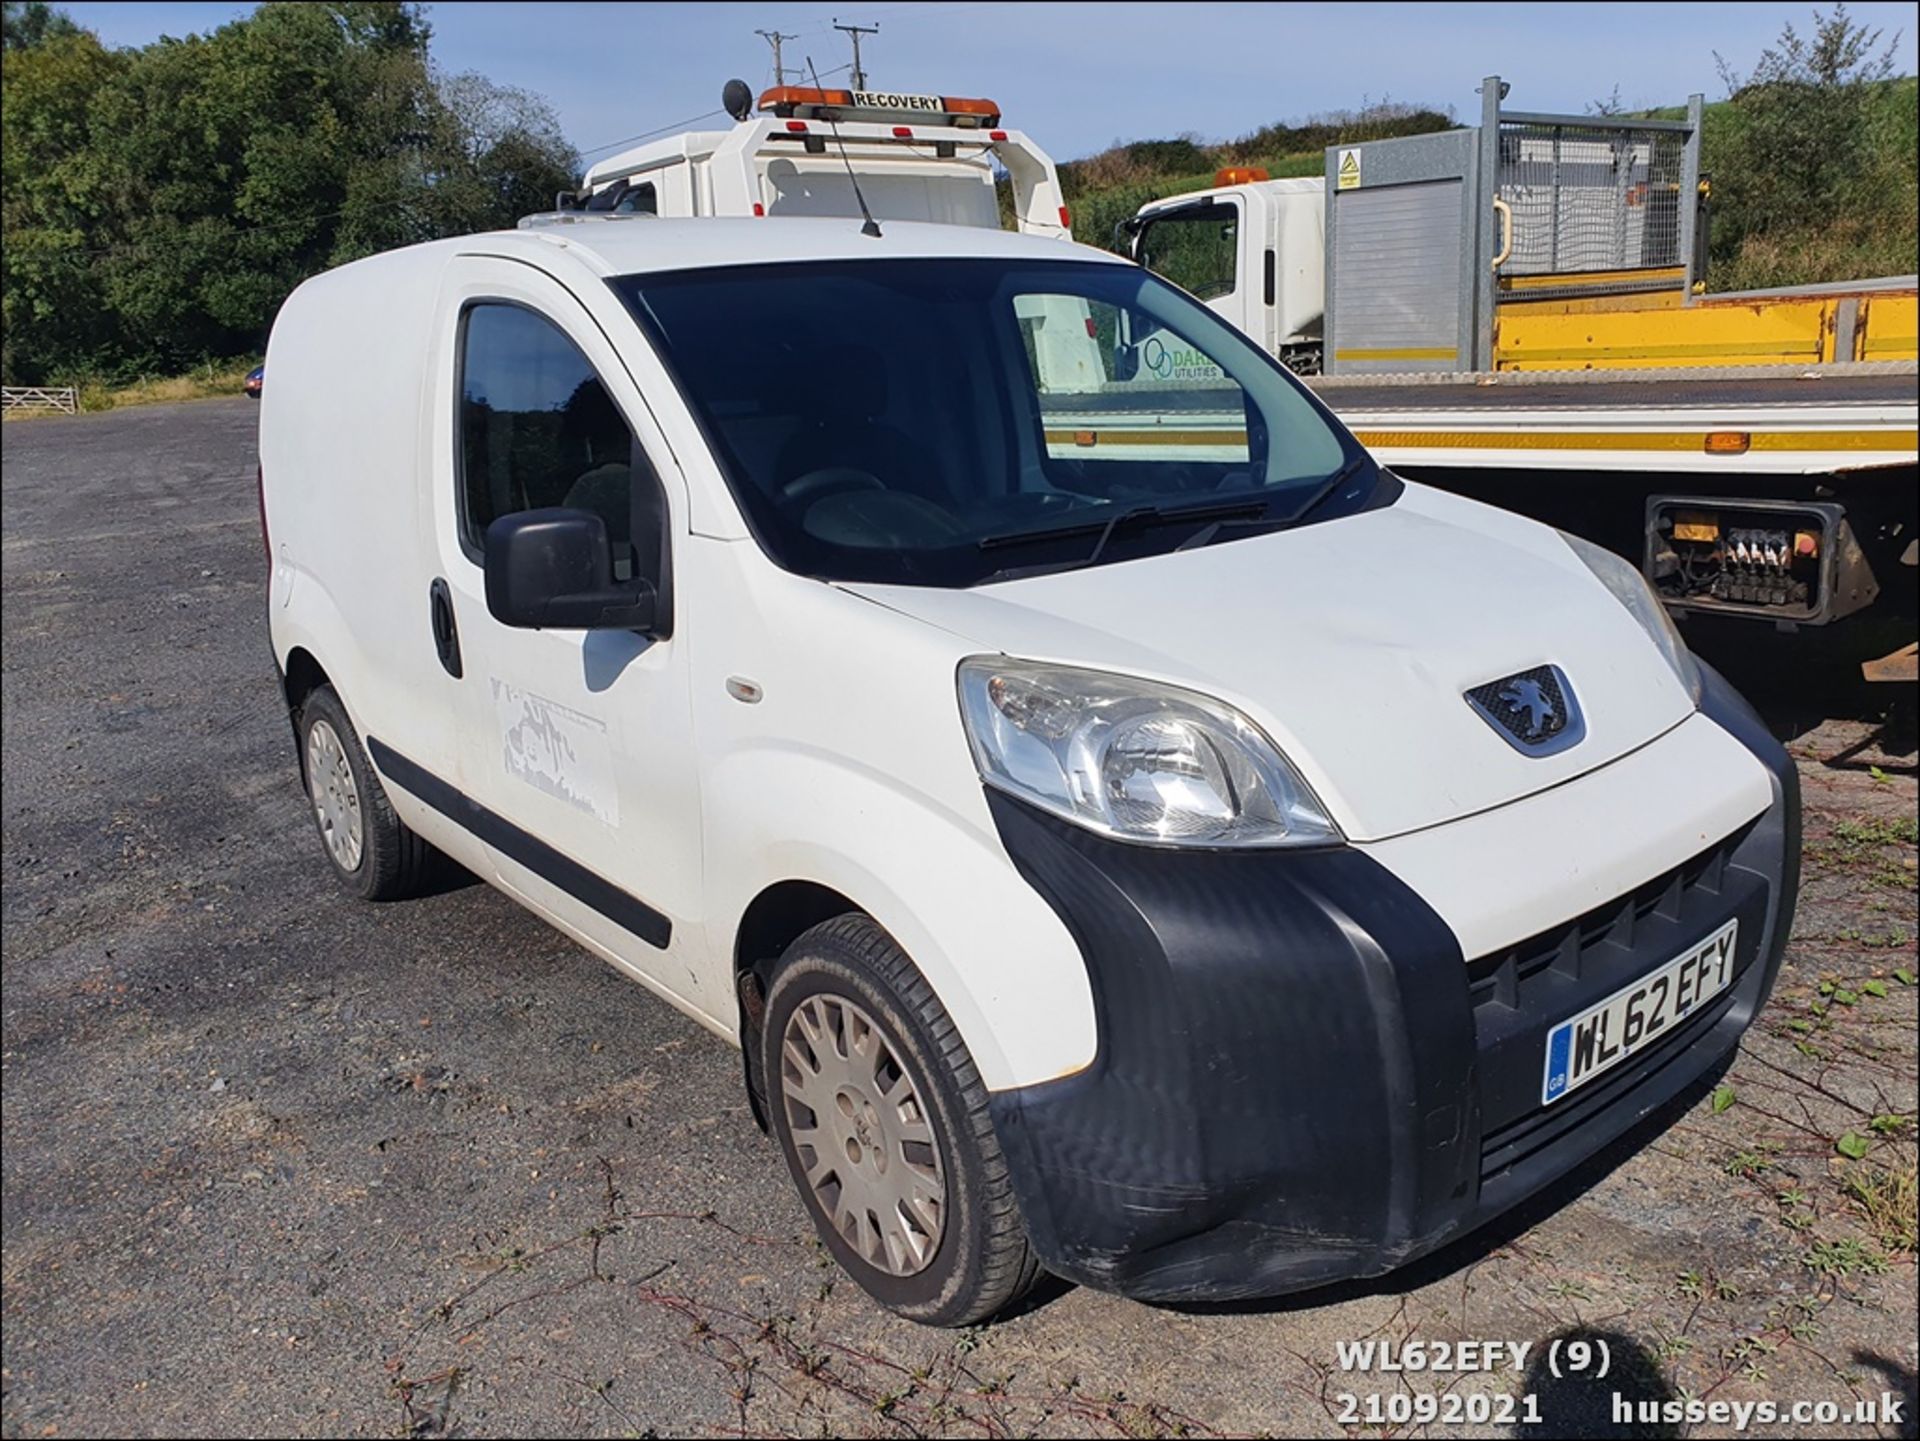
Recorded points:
537,428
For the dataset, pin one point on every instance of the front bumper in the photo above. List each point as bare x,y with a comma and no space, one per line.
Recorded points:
1301,1080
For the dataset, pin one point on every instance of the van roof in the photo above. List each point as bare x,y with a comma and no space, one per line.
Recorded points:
644,243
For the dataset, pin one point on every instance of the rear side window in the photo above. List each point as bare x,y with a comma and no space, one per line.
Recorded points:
538,428
638,200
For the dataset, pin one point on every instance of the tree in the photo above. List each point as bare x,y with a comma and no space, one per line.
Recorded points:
51,297
27,23
504,152
159,203
1801,141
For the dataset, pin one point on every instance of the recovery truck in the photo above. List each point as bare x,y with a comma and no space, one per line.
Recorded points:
918,157
1517,311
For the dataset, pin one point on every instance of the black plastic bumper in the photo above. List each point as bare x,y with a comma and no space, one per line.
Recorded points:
1300,1079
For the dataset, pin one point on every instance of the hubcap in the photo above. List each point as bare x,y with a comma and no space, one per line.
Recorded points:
336,800
862,1134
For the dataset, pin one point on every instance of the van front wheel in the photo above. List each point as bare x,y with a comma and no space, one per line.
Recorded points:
883,1121
372,851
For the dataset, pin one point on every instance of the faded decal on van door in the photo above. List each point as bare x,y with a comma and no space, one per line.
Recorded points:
558,750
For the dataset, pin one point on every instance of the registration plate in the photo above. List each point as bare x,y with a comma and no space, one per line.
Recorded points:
1636,1016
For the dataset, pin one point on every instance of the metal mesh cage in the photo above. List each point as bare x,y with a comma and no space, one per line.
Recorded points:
1596,196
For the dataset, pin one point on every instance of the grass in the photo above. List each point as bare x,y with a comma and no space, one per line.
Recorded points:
1887,1202
1875,831
1846,1257
225,377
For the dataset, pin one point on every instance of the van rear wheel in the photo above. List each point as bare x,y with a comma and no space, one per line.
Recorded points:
883,1120
370,848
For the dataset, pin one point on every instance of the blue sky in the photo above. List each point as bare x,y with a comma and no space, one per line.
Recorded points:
1079,76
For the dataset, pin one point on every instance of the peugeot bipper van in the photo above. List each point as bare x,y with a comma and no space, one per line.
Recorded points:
1128,832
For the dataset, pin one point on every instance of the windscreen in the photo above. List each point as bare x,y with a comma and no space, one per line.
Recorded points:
822,187
958,421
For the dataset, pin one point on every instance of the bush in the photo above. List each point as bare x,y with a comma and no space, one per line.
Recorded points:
1374,120
1812,160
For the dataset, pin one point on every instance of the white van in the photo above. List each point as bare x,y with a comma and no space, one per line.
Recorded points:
1189,860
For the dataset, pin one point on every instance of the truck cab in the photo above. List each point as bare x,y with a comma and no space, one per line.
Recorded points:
915,157
1253,249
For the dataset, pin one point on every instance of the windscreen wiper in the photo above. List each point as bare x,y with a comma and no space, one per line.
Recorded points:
1131,515
1326,488
1206,536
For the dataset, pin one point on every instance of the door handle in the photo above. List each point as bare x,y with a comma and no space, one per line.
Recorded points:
446,635
1505,212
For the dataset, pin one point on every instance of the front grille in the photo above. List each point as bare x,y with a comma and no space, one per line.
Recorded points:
1520,994
1572,949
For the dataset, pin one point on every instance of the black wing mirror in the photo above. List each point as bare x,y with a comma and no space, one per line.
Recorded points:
553,568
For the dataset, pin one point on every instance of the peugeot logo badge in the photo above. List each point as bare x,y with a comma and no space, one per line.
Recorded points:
1534,710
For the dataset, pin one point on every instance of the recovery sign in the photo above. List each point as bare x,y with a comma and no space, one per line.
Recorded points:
886,100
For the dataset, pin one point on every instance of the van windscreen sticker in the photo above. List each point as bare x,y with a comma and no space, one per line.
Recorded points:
557,749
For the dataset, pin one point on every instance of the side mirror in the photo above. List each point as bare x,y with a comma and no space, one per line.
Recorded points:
553,568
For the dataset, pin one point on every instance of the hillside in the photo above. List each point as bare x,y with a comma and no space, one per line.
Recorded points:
1104,189
1775,220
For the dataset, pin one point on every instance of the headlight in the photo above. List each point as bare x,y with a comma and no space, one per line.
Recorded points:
1630,588
1133,759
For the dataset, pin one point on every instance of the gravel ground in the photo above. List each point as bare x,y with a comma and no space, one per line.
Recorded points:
275,1161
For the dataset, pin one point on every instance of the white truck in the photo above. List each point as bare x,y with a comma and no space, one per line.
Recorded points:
917,157
1517,312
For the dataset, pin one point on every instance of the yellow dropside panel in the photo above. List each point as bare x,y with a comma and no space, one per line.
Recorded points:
1762,333
1890,326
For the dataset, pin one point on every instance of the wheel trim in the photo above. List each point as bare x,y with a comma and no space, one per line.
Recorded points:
860,1129
336,799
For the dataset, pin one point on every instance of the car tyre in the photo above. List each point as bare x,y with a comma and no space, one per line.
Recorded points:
370,848
870,1091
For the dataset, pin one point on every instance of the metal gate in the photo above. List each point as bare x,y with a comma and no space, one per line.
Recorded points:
1429,235
1594,206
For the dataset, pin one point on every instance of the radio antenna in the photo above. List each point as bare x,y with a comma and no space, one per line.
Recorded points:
872,226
